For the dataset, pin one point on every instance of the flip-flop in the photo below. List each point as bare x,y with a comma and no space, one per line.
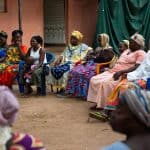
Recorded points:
97,115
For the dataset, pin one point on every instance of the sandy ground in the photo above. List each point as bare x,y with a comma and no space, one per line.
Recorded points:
62,124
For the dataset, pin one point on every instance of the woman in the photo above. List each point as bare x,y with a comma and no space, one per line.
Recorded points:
38,54
15,56
8,111
132,118
3,46
79,76
135,79
16,51
102,85
123,45
73,53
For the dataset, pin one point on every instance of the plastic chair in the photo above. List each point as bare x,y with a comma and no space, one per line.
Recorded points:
110,64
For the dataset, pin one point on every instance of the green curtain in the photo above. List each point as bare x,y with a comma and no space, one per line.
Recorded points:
122,18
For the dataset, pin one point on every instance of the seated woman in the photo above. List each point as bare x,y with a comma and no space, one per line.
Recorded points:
16,51
102,85
135,79
79,76
13,57
3,46
73,53
39,55
8,111
132,118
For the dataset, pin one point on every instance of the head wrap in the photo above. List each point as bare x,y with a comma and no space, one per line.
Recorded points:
78,35
8,107
3,34
138,102
126,42
139,39
104,40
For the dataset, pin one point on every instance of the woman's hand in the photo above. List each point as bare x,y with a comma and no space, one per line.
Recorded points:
117,75
58,61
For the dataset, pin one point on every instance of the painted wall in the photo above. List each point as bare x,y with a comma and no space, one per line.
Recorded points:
32,18
82,16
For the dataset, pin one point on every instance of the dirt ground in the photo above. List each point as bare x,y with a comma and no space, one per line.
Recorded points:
62,124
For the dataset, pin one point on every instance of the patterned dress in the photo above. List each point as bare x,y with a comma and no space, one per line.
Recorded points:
59,75
10,64
79,76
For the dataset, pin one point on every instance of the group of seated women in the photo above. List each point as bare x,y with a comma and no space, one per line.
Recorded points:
75,71
17,56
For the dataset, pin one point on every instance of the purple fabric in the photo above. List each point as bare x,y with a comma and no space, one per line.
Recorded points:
79,78
26,141
9,106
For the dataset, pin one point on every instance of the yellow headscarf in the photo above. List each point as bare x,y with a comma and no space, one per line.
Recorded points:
78,35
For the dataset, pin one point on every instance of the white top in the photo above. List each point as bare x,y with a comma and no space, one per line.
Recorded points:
36,56
143,71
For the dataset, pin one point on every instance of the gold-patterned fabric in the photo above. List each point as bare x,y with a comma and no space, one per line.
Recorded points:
13,55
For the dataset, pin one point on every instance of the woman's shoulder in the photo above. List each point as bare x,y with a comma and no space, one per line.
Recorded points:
84,46
117,146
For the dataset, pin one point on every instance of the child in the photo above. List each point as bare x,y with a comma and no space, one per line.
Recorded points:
28,69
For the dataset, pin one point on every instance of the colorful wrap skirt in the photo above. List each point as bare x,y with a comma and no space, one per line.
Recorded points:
79,78
7,74
58,71
113,99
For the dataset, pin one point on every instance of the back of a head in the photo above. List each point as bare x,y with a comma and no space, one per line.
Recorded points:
138,102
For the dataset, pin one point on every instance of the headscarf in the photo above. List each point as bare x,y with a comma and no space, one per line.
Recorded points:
138,102
104,40
126,42
8,107
139,39
78,35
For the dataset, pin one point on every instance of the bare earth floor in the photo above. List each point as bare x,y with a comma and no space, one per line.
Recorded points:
62,124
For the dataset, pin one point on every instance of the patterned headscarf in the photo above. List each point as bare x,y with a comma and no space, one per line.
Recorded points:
138,102
104,40
139,39
8,107
78,35
126,42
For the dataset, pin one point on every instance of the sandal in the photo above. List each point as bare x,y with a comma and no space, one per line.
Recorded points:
99,115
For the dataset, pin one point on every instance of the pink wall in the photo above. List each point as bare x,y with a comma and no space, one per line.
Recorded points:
82,16
32,18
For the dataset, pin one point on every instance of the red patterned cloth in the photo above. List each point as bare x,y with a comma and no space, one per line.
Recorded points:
8,75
